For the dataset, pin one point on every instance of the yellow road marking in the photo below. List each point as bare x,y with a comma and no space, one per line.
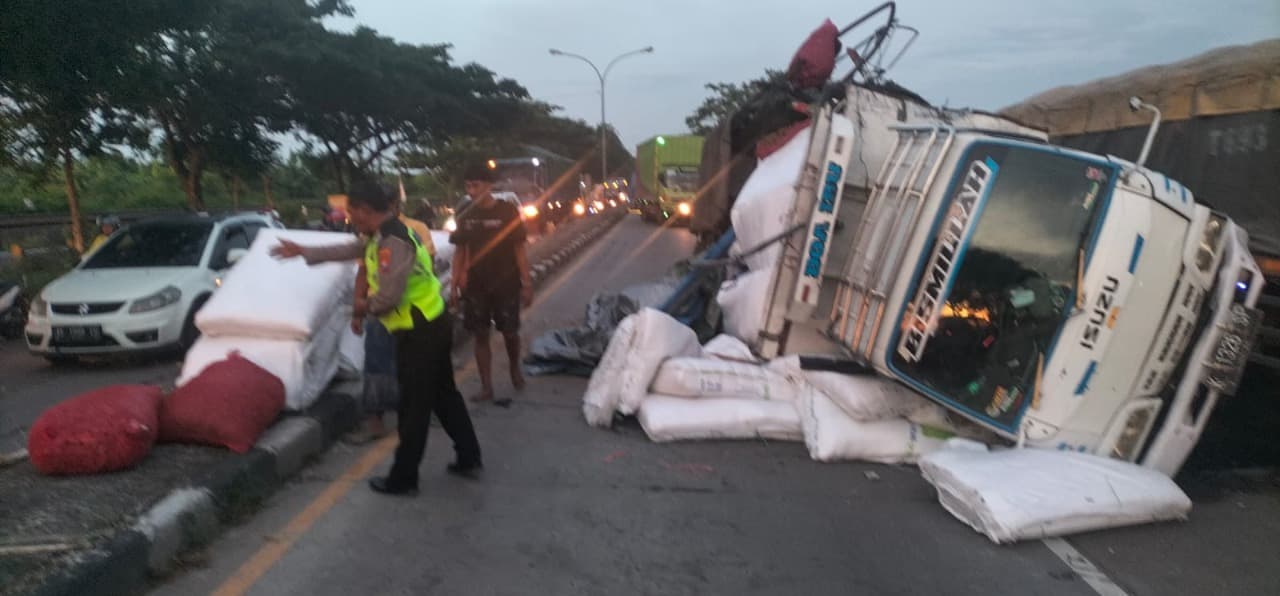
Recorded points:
262,561
269,554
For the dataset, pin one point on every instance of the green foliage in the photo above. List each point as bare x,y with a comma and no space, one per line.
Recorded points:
128,104
114,183
725,99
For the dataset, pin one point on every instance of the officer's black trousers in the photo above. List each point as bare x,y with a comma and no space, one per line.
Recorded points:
425,373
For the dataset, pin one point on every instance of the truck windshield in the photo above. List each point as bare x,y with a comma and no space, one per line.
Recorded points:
1012,285
682,181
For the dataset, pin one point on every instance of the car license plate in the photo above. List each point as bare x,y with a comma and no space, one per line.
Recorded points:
81,335
1227,361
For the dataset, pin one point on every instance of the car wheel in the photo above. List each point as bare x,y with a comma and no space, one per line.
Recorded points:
190,333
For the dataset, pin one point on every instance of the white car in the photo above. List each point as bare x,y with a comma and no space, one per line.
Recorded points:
140,291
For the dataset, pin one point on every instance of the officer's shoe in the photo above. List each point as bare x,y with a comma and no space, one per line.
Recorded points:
383,484
466,470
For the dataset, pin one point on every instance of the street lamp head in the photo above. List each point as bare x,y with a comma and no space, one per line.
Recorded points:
648,50
536,162
555,52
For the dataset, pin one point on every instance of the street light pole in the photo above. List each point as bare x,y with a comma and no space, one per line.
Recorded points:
603,76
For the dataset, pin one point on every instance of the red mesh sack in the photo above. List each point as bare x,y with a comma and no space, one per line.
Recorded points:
227,405
816,58
101,431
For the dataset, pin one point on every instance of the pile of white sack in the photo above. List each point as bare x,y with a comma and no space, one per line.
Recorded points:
654,369
287,317
679,390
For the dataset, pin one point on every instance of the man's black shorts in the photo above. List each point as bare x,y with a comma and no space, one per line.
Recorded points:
482,308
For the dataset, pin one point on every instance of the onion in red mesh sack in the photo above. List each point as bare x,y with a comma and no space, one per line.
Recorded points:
229,405
816,58
101,431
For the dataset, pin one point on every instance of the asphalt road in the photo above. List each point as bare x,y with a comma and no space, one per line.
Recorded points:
567,509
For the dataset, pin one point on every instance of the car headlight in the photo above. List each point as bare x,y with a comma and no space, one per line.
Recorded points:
1210,239
39,307
530,211
684,209
579,208
599,205
156,301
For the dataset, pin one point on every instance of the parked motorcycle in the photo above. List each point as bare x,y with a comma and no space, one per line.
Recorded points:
13,310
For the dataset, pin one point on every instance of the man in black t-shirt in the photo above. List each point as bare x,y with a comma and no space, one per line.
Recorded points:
491,275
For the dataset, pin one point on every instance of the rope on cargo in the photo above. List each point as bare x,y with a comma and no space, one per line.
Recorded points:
712,263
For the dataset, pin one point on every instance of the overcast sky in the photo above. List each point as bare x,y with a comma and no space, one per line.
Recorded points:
981,54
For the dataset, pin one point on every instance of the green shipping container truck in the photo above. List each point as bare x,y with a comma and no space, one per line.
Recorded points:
666,178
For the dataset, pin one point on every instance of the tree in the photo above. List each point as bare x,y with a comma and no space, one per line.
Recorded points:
727,98
363,97
63,63
212,90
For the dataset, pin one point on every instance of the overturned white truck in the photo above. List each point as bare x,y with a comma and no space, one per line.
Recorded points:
1063,299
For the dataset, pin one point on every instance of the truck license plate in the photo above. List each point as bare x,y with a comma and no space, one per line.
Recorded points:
73,336
1227,361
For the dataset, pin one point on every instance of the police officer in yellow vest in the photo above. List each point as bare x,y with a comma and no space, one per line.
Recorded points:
404,295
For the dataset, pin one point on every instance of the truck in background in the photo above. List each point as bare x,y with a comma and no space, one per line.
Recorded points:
667,177
1220,136
1062,299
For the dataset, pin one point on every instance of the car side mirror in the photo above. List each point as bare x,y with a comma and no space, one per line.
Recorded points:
234,255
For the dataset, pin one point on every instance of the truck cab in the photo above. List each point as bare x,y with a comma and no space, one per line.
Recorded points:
1061,299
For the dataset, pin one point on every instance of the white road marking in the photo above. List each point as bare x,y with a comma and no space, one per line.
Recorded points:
1083,567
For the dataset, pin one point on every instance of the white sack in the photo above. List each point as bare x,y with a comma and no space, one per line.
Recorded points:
728,347
666,418
269,298
862,397
763,207
1020,494
743,301
705,377
629,364
600,401
831,435
304,367
658,337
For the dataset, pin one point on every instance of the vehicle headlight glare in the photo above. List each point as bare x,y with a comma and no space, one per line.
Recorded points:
156,301
684,209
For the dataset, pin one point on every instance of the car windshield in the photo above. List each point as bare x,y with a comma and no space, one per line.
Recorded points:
1015,282
161,244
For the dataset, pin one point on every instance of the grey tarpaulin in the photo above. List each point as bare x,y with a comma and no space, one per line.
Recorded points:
577,350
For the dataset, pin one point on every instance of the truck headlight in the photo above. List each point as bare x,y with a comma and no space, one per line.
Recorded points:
684,209
1137,426
1210,239
156,301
